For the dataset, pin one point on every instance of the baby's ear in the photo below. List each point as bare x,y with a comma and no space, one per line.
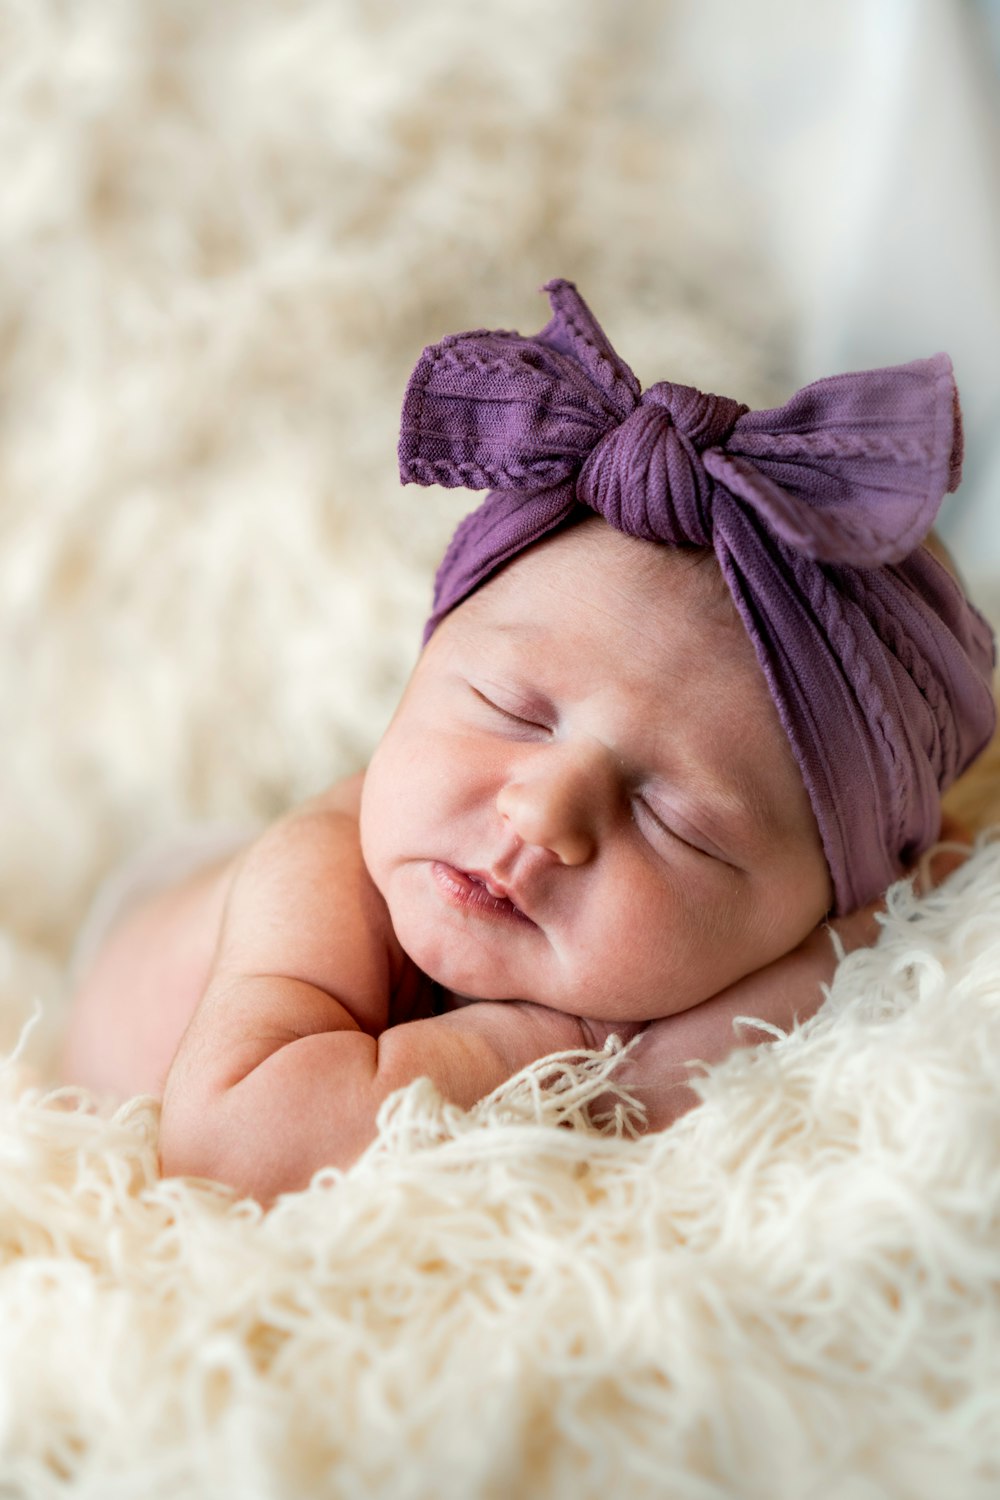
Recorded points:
932,869
937,549
954,830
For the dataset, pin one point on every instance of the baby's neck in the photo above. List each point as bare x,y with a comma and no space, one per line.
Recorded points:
415,994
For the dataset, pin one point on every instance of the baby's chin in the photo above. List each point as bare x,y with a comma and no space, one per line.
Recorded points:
498,962
467,982
471,956
463,968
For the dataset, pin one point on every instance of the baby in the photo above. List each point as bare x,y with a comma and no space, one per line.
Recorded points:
691,686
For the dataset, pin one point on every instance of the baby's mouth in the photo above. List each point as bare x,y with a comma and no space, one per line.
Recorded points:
474,890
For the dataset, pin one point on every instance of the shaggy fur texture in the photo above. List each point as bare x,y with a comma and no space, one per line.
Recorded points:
228,229
791,1292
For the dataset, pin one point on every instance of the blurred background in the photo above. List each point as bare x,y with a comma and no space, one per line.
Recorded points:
226,232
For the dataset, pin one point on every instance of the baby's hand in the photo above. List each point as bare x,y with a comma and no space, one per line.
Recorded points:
561,1031
569,1033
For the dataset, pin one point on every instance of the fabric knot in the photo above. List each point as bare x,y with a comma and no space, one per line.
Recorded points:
706,419
646,477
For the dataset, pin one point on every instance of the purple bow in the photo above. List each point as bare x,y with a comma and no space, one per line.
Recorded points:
879,666
852,469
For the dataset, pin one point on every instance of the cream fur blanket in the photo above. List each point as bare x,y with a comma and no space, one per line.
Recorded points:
227,230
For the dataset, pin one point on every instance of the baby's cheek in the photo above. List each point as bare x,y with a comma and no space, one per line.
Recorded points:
368,832
664,953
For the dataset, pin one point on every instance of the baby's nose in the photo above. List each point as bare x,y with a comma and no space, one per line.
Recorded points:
559,801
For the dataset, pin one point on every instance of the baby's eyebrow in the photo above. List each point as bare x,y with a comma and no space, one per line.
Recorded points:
521,627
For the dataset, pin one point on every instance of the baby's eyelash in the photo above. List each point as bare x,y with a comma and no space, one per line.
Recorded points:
666,828
508,713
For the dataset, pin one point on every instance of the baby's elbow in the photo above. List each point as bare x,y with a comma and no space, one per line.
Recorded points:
189,1143
196,1140
222,1137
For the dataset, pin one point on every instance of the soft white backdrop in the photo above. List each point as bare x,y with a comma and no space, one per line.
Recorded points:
871,133
226,231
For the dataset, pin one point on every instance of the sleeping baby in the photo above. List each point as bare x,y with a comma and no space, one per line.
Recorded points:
693,684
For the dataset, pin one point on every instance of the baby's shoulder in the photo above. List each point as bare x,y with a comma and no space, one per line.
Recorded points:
302,904
316,846
343,797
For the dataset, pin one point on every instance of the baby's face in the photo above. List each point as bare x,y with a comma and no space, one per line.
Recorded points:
586,798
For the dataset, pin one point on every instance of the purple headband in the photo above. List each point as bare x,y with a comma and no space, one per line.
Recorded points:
879,666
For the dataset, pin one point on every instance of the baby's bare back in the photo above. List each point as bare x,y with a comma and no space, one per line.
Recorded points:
140,991
144,983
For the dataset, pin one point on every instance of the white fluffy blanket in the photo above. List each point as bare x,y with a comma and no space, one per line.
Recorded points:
227,230
794,1291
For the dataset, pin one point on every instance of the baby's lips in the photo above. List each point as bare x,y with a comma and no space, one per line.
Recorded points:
500,890
497,888
485,891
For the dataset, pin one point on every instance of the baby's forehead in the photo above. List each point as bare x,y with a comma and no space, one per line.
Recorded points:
644,621
592,560
661,571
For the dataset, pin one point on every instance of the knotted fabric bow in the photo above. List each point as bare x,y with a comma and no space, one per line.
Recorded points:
879,666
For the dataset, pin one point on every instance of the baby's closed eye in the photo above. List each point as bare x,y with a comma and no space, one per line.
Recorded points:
659,831
532,713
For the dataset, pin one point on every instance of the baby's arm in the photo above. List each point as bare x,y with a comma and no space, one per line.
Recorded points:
291,1051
